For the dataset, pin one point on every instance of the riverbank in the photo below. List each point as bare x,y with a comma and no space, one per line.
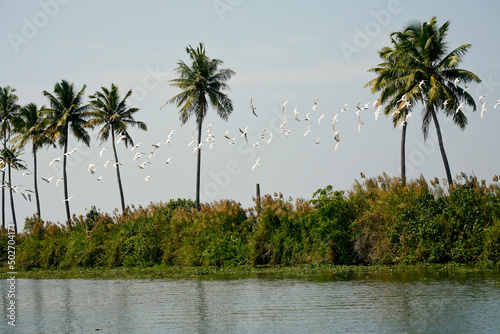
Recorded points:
323,271
379,222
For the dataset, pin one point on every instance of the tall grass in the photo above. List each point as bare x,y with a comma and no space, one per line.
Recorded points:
379,221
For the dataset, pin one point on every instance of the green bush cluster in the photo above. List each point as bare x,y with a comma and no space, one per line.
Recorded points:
380,221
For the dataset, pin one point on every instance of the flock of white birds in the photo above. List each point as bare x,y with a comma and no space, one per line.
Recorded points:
144,155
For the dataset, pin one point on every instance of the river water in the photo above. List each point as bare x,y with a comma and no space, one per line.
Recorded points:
370,303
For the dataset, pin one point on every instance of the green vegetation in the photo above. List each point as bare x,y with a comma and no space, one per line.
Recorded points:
379,222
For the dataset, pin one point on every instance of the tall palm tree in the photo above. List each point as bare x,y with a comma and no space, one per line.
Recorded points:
67,115
8,109
9,158
398,98
30,127
431,74
112,113
202,84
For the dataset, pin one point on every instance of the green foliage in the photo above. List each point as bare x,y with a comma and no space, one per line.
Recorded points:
380,221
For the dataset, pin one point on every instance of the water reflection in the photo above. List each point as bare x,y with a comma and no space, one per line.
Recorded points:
385,303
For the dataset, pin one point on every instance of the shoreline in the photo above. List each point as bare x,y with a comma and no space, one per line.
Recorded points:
319,271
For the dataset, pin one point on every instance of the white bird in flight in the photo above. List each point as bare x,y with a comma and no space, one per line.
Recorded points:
253,108
122,137
67,154
48,180
308,130
244,133
315,104
135,146
320,118
147,178
256,164
68,199
283,106
345,108
296,114
481,98
402,99
168,161
192,140
54,160
317,141
460,107
92,168
334,121
497,104
359,124
102,151
144,164
336,136
307,116
58,181
377,113
226,134
271,137
483,109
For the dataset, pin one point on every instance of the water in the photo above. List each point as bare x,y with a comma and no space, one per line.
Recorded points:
382,303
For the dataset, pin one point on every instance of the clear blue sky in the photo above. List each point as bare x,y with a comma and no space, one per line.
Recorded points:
280,50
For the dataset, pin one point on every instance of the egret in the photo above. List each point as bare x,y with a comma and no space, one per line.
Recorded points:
54,160
104,149
253,108
256,164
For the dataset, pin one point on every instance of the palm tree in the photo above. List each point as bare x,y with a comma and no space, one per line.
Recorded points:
430,74
30,126
115,117
398,99
202,85
67,115
10,158
8,109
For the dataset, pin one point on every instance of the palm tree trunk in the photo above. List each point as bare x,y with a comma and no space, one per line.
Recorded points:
441,147
403,154
117,165
12,200
198,166
65,179
35,181
3,199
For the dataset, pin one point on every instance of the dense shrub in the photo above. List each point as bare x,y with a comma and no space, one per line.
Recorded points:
379,221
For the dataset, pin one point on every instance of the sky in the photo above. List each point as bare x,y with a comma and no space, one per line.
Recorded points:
295,51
